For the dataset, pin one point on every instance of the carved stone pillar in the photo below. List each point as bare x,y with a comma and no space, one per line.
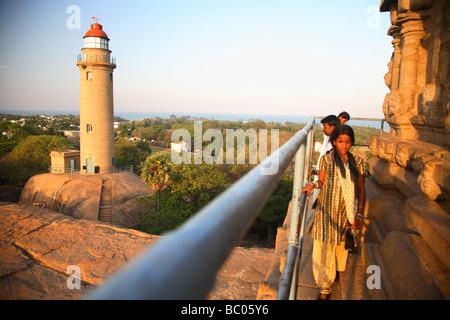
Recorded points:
418,106
411,34
394,31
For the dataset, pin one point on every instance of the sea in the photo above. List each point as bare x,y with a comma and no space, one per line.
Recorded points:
136,116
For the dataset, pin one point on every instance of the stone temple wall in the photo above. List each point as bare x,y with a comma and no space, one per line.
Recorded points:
417,107
406,230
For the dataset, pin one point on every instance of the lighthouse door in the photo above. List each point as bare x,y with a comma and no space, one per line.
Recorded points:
90,166
73,165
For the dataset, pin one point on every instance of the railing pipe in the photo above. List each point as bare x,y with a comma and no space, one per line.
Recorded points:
184,263
382,121
291,257
303,213
288,283
301,222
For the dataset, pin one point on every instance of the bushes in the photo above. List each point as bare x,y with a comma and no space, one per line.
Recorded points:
193,186
29,157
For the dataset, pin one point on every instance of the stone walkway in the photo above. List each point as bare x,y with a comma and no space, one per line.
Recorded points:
351,284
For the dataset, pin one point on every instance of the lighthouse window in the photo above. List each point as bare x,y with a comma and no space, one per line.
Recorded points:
110,77
96,42
103,43
88,75
89,128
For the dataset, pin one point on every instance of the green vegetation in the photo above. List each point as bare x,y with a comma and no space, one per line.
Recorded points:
26,143
157,172
131,154
29,157
183,190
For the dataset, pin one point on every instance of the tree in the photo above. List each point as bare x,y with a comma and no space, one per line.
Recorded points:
129,154
274,211
192,187
173,212
157,171
30,157
199,184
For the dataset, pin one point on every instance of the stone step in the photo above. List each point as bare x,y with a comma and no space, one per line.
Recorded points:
432,221
373,232
352,282
415,272
104,211
407,237
370,253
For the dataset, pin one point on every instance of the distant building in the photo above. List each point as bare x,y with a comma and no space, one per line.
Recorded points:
71,133
179,146
65,161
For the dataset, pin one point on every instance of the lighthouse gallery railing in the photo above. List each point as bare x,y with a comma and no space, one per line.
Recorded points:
184,263
96,58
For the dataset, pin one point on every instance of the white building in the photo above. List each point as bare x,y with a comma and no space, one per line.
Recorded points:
179,146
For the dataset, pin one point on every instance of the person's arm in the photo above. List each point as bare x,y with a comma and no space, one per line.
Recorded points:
316,184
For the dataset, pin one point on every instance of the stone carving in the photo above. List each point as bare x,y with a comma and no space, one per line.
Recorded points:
417,107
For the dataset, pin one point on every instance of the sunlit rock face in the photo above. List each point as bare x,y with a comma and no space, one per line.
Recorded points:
80,196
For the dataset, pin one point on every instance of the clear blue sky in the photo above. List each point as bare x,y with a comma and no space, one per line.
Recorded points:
289,57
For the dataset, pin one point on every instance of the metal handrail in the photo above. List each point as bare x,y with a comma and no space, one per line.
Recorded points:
382,121
288,284
183,264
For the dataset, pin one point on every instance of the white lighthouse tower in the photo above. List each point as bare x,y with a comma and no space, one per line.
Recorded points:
96,65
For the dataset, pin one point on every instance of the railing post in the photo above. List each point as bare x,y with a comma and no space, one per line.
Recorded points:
295,212
306,163
288,283
309,150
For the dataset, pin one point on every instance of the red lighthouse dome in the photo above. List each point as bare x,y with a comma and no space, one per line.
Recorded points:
96,31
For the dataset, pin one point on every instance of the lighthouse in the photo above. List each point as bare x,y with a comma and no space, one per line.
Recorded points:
96,66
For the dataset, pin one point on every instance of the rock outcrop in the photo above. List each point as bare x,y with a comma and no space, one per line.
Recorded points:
80,196
40,251
40,248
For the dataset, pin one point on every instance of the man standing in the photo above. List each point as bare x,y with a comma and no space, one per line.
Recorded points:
329,123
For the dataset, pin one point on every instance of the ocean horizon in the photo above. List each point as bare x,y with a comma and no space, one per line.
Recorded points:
137,116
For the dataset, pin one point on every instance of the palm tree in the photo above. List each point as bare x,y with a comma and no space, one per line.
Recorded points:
157,172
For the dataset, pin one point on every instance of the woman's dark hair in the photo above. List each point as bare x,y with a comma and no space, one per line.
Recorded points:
347,130
340,130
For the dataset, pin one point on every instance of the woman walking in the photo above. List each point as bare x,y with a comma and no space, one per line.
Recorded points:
340,206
